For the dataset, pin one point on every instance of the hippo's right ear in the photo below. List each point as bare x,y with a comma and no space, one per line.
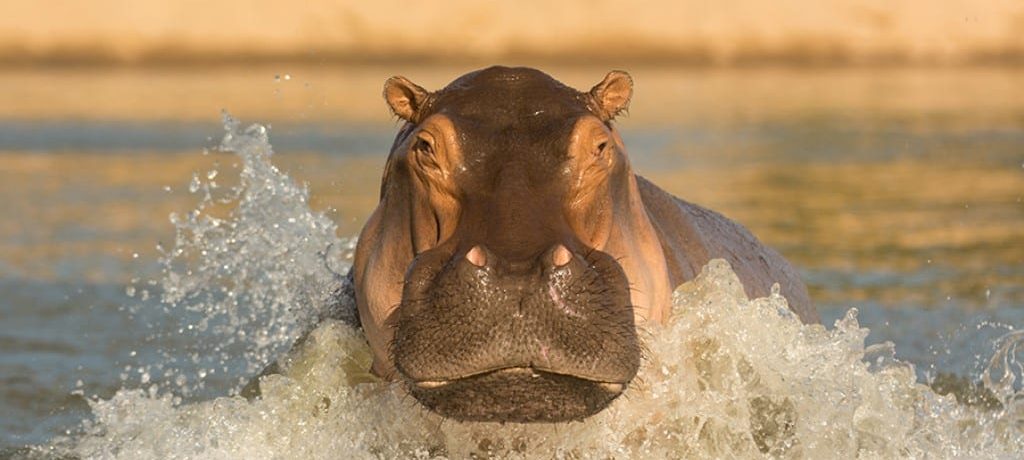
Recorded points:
405,98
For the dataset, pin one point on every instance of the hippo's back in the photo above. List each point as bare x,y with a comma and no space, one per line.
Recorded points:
692,235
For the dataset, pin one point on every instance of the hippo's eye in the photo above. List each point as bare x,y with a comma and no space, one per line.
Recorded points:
423,153
601,149
423,147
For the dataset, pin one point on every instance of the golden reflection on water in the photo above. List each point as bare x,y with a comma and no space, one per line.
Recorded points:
97,206
900,204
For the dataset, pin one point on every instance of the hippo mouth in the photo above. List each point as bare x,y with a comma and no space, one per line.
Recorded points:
478,340
516,394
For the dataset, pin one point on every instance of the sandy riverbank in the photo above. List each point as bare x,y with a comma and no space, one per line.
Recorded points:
733,32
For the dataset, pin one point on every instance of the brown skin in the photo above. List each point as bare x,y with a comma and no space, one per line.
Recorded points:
514,252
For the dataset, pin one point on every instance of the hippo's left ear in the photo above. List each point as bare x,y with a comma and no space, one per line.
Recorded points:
611,96
405,98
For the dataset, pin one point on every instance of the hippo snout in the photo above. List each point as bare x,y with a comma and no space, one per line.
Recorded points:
546,339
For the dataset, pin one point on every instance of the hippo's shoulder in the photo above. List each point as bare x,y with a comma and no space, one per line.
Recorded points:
692,235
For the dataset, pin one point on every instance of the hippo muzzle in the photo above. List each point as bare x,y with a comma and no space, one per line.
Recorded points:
543,340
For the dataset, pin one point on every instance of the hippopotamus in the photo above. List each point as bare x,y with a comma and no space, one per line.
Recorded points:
514,252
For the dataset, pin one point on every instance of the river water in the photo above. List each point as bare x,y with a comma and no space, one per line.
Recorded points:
151,262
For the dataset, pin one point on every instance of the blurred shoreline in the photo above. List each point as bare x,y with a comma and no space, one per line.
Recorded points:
571,32
794,57
1003,58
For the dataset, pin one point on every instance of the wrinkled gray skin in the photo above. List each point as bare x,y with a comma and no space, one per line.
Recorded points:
524,341
514,253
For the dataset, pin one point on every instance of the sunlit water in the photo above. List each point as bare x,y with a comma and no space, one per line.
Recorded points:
728,376
251,260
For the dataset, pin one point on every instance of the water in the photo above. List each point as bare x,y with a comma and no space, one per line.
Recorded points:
881,210
726,377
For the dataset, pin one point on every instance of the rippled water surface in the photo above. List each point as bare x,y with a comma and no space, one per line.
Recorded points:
898,192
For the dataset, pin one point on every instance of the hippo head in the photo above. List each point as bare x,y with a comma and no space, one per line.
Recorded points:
486,279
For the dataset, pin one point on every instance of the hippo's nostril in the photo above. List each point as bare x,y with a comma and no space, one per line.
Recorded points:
430,385
560,256
476,256
614,388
